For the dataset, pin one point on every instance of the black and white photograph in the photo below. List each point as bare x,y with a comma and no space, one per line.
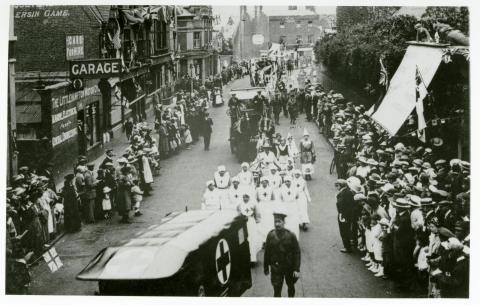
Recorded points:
237,150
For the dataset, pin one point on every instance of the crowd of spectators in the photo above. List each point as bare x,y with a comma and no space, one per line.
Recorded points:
405,207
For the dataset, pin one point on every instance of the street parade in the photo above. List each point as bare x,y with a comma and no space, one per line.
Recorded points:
262,173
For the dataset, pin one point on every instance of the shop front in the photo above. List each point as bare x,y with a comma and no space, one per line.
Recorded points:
71,125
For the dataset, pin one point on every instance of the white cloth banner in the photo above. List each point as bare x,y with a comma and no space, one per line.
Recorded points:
400,99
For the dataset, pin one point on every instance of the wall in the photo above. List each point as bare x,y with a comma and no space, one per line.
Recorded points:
51,24
291,30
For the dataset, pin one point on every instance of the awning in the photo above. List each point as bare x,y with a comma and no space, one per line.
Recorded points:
400,99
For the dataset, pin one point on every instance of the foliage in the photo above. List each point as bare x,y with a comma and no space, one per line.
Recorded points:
354,53
456,17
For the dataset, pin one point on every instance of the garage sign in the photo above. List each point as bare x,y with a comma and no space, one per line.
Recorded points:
95,68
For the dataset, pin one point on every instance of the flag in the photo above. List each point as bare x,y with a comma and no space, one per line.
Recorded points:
421,93
384,82
383,74
117,44
52,259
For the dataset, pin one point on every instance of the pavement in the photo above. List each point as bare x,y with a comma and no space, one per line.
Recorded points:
325,272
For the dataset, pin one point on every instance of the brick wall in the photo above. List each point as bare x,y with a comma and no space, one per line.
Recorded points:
41,32
291,30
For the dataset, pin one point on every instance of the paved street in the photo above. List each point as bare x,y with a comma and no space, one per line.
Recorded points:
325,272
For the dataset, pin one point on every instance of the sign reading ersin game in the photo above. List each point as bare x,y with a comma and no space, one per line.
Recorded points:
95,68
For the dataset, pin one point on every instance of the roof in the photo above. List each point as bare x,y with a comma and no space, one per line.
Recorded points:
247,93
160,250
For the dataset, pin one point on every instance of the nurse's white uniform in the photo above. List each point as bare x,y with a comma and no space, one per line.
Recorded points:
265,199
289,196
250,211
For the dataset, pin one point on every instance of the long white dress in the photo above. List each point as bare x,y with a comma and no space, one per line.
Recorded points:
222,183
246,181
235,196
265,199
211,200
250,210
147,171
289,196
303,199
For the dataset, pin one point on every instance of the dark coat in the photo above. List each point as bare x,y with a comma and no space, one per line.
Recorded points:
403,239
456,283
123,200
282,249
71,209
346,204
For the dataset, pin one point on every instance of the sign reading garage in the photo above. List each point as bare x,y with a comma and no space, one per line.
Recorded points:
95,68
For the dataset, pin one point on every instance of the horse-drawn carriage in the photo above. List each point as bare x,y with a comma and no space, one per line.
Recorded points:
244,123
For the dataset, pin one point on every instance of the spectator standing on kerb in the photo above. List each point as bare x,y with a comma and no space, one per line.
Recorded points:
207,124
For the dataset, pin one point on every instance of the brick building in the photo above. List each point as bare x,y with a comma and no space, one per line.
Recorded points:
277,24
58,119
195,51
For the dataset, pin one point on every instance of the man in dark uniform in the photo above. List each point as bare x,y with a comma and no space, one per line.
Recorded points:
301,100
345,207
277,107
308,105
233,101
282,257
341,161
258,102
207,124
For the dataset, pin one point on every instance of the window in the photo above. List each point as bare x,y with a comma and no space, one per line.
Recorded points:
299,39
310,38
282,23
310,23
292,7
298,23
160,35
197,40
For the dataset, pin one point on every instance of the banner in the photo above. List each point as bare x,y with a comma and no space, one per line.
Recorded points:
400,99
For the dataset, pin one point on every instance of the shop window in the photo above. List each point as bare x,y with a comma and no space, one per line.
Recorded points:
88,127
197,40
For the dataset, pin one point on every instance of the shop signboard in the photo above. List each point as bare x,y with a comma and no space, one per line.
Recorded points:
95,68
74,47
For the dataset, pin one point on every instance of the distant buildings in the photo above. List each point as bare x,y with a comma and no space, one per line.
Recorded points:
195,51
287,25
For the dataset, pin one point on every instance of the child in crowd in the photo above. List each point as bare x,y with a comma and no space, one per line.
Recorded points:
107,203
137,197
421,251
368,242
376,232
187,136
